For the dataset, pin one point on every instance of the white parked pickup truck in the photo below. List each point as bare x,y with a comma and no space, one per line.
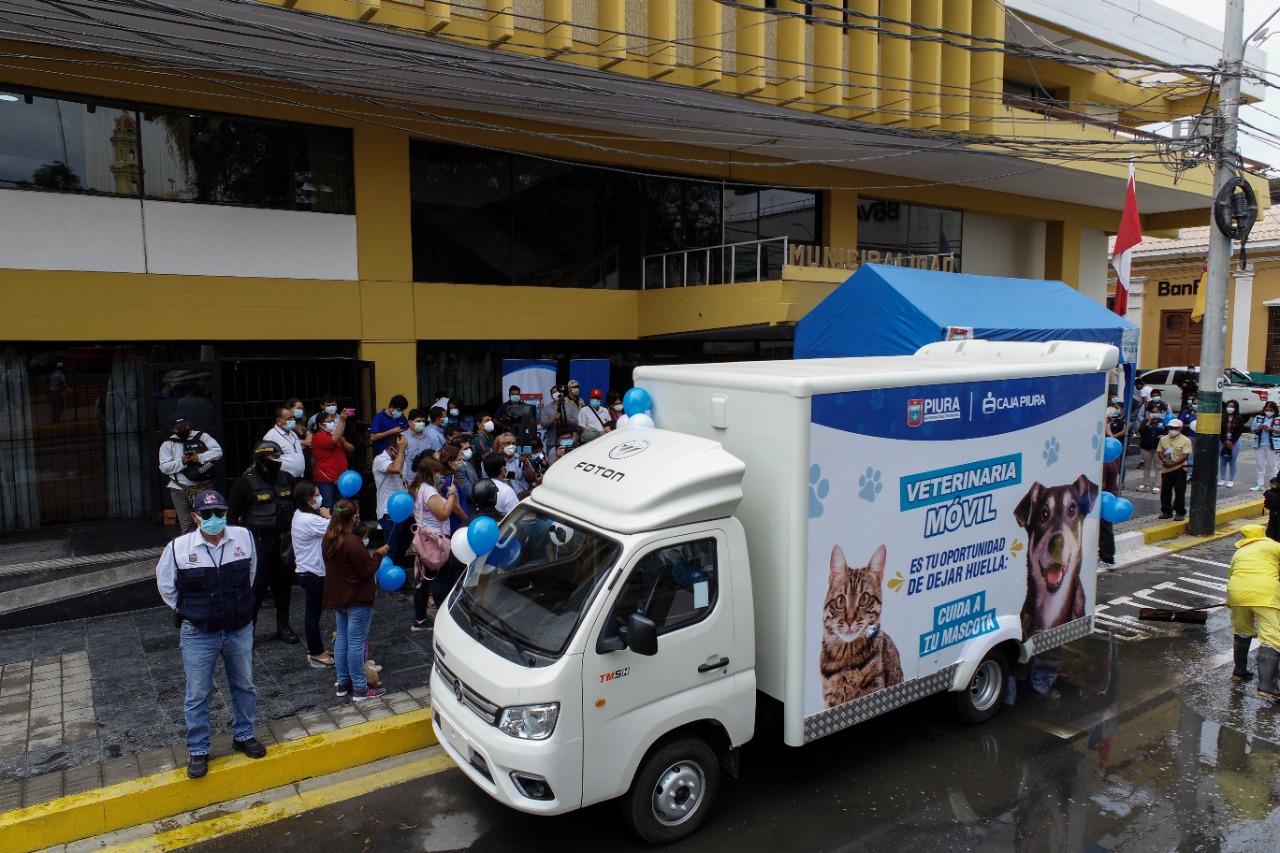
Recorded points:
1237,385
828,538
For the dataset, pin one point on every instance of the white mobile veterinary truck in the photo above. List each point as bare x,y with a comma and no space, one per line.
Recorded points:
844,536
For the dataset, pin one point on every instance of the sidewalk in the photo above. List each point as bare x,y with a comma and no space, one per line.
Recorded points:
91,724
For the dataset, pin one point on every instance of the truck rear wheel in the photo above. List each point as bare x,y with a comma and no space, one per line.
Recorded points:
980,701
673,791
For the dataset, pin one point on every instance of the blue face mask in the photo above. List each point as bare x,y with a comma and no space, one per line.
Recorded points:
298,413
595,404
395,413
213,525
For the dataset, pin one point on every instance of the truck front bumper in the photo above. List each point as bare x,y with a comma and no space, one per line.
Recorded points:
505,767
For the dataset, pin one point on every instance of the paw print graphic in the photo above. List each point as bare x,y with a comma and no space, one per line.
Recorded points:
818,491
1098,445
877,400
1051,448
869,485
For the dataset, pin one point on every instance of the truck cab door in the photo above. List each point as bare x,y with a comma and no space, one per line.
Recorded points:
685,587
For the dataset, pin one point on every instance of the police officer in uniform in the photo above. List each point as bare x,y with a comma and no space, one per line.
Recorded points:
262,500
207,576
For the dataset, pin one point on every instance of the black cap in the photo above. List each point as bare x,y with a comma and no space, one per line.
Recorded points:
266,448
209,500
178,422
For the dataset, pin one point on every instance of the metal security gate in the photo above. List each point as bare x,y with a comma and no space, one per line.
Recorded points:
253,388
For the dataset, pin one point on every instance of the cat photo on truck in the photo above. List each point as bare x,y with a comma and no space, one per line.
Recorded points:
857,656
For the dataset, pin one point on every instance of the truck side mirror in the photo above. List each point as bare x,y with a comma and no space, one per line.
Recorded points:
640,635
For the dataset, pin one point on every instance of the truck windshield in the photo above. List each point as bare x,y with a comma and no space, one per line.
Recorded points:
532,589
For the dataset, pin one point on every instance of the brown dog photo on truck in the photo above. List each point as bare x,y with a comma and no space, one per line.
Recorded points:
1053,517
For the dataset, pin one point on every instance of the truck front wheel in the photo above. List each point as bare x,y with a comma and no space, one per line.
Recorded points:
980,701
673,791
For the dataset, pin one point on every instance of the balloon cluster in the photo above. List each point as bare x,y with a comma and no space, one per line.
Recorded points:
638,408
481,538
1114,509
389,576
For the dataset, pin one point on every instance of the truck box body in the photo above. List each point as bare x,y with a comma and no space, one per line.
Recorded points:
930,457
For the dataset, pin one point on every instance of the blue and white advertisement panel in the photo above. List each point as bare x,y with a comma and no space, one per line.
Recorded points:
936,510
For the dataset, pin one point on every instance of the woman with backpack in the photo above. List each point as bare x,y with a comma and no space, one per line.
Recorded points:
431,511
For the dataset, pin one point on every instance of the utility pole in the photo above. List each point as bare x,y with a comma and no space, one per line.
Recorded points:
1213,345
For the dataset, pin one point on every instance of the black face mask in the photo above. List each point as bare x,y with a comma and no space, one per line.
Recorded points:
183,433
271,467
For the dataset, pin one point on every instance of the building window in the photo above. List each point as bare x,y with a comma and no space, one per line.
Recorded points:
78,145
491,217
909,230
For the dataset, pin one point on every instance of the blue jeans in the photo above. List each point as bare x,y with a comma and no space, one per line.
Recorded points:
200,653
1227,465
348,649
329,494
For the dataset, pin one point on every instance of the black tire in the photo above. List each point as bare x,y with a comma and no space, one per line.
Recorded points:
673,791
981,700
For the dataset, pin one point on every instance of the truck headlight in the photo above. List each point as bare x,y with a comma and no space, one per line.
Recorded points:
530,722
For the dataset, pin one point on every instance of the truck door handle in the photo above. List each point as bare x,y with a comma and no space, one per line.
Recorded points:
712,667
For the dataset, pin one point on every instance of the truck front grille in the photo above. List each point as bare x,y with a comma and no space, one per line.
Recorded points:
480,706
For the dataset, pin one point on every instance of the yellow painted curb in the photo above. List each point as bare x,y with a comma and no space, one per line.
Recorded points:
1173,529
169,793
300,803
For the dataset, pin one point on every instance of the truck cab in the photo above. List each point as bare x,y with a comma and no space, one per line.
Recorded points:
613,619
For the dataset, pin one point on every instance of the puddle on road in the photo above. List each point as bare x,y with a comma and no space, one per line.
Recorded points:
1090,757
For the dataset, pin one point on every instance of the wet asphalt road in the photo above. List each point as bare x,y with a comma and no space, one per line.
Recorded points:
1133,741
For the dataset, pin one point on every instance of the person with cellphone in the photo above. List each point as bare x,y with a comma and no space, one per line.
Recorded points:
329,452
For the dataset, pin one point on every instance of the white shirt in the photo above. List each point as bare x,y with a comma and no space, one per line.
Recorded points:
507,499
387,483
308,538
589,418
419,443
171,458
193,550
291,459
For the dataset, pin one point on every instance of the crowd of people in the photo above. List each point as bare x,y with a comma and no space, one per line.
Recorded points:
285,522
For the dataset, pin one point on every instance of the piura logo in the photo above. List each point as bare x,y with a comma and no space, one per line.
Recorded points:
629,448
915,412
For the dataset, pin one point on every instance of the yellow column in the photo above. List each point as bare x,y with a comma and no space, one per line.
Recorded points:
864,58
926,65
611,18
988,66
840,219
957,16
500,25
383,238
1062,252
395,369
662,34
791,64
437,14
558,29
895,62
828,58
708,52
749,63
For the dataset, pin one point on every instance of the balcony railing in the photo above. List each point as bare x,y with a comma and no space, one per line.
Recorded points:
730,263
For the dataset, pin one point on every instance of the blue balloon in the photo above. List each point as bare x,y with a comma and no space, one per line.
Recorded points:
637,402
390,577
482,535
1105,499
504,553
349,484
1168,417
1120,510
1112,448
400,506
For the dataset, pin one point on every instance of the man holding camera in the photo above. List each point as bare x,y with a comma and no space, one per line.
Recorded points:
560,419
186,458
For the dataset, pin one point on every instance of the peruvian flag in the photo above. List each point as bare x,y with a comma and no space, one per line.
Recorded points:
1129,235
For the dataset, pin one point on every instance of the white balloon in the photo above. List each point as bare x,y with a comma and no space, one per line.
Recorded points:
560,534
640,422
1193,426
622,422
461,547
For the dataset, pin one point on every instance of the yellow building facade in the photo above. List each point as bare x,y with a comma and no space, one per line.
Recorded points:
216,203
